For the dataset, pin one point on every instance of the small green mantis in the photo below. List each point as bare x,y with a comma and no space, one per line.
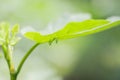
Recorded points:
9,38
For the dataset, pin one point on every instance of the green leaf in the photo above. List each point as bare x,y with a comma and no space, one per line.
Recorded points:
73,29
4,26
4,32
8,35
15,29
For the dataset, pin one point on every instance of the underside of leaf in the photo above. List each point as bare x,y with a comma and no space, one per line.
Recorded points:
73,29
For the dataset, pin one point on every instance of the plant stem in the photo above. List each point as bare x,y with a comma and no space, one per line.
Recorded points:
13,76
7,49
25,57
8,57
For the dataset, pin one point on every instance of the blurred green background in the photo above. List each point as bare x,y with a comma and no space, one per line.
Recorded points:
94,57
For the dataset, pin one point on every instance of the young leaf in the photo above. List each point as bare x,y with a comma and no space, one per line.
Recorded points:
15,29
4,32
73,29
7,35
